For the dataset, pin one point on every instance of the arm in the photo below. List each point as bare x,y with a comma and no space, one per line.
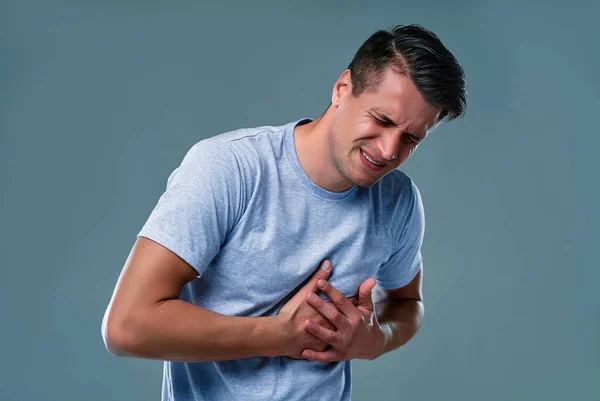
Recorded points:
400,312
146,319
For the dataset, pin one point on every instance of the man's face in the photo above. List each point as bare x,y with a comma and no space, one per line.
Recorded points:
384,124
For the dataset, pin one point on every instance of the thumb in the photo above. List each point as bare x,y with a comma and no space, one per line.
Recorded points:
364,293
323,272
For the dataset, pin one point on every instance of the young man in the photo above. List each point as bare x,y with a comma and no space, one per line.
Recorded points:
221,283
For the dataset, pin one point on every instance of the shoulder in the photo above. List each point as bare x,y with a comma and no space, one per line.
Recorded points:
403,201
234,146
399,188
252,137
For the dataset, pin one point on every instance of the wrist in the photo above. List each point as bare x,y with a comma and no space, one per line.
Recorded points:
269,337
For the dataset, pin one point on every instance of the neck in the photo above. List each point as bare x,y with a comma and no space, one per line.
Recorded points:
312,146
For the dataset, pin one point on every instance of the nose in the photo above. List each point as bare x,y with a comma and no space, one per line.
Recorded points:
389,145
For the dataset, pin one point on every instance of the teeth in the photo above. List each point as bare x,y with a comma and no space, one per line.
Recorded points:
369,159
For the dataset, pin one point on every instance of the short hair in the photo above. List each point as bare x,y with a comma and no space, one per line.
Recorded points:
418,53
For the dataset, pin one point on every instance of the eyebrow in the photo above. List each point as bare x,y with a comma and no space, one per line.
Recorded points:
383,117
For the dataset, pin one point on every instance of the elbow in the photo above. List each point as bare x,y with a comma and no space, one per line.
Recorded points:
117,338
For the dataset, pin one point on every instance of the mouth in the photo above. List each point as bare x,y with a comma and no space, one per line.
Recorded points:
369,162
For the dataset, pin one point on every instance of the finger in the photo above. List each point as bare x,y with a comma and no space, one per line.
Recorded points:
326,356
329,311
328,336
365,291
322,273
338,299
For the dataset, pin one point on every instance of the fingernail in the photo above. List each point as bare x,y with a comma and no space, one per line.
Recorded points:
325,266
310,325
312,298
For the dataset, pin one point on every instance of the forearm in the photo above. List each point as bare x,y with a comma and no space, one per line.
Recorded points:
176,330
399,320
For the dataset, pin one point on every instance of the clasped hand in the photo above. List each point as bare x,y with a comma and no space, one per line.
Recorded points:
357,334
339,330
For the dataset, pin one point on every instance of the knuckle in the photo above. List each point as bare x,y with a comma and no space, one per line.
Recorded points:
340,300
327,324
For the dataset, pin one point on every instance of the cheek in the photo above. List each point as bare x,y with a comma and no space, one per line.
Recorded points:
406,152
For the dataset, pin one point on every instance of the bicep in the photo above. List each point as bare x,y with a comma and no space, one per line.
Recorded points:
151,274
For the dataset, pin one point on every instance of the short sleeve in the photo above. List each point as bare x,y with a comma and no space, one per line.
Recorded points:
406,259
200,206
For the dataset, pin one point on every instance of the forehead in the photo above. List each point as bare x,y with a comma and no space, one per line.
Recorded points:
399,99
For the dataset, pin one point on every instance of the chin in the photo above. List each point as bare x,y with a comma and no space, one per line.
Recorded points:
364,182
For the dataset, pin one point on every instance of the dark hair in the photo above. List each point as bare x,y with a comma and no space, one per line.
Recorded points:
418,53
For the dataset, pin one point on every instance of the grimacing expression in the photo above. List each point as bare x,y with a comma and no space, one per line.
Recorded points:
384,124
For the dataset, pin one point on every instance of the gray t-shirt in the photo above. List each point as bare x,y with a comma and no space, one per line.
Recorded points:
243,213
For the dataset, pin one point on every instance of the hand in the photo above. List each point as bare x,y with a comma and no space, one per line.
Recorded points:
296,312
358,333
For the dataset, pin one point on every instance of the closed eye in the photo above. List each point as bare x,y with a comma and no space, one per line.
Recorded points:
386,123
411,138
383,123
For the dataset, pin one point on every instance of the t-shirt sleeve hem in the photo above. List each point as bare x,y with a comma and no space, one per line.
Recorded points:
174,246
405,280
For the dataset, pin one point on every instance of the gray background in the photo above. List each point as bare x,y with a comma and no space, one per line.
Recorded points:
100,100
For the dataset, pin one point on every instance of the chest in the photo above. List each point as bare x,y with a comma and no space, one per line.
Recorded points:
277,246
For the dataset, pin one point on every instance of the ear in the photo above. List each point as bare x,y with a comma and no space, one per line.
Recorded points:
341,88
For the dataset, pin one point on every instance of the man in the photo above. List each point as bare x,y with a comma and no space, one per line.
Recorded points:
222,281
